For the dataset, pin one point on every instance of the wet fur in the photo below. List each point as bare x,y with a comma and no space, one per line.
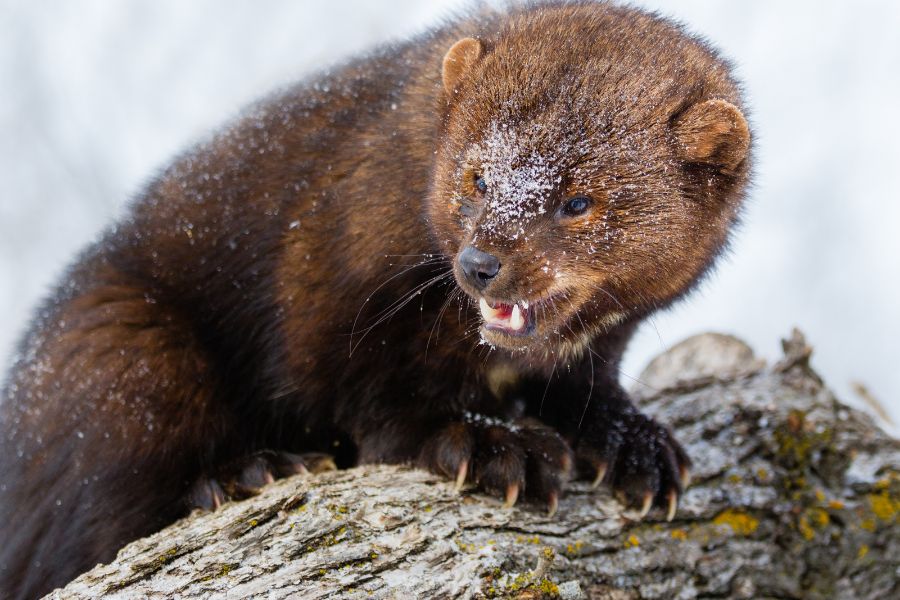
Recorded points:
288,284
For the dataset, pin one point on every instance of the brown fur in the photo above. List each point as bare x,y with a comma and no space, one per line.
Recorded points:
293,284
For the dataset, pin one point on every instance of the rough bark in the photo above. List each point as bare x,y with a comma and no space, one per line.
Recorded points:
795,495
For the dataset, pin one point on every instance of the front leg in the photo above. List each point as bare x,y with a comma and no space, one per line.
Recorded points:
614,442
632,453
508,458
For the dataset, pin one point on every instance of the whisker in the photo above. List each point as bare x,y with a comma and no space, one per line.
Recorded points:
384,283
397,305
437,320
547,387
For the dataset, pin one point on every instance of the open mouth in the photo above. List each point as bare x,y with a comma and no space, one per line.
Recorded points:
513,319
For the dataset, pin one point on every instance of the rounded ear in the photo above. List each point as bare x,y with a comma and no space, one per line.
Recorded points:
459,58
713,133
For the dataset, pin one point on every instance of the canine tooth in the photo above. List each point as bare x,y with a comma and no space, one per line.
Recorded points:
487,312
516,321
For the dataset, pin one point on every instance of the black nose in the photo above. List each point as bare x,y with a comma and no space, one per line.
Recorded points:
479,267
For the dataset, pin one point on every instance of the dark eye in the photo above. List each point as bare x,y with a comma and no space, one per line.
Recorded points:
480,184
576,206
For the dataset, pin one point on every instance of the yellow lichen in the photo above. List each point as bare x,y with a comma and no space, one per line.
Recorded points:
867,524
734,478
835,505
863,550
740,522
632,541
883,506
535,539
797,446
679,534
810,520
547,587
573,549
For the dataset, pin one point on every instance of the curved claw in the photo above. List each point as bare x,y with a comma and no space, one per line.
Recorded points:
512,494
673,504
461,475
647,505
601,473
325,465
685,475
552,504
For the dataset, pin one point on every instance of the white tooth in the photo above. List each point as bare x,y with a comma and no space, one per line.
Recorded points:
516,322
487,313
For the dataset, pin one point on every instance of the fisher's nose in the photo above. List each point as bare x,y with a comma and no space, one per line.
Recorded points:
478,267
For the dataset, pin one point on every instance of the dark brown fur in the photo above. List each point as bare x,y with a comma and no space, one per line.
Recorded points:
288,285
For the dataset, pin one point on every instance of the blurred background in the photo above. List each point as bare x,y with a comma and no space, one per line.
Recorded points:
95,96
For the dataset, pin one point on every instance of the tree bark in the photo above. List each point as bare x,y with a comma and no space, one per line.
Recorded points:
794,495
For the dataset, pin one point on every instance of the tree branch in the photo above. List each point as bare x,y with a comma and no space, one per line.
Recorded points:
795,495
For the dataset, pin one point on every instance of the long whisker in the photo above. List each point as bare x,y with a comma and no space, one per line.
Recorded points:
397,305
591,390
389,307
430,260
549,381
435,329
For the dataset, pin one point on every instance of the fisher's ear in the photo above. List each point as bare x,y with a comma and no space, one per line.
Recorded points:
713,132
459,59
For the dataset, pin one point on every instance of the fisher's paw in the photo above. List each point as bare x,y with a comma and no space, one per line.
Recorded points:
513,460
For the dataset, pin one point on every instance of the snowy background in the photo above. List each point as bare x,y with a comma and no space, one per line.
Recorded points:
96,95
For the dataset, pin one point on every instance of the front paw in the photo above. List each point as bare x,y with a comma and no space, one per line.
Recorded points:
506,459
639,458
247,476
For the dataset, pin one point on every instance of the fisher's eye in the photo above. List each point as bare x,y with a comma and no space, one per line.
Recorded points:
576,206
480,185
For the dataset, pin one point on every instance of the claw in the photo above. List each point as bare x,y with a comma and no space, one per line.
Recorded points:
552,504
566,464
512,494
461,475
327,464
268,477
648,504
673,504
601,473
685,475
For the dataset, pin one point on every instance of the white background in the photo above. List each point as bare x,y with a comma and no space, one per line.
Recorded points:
96,95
